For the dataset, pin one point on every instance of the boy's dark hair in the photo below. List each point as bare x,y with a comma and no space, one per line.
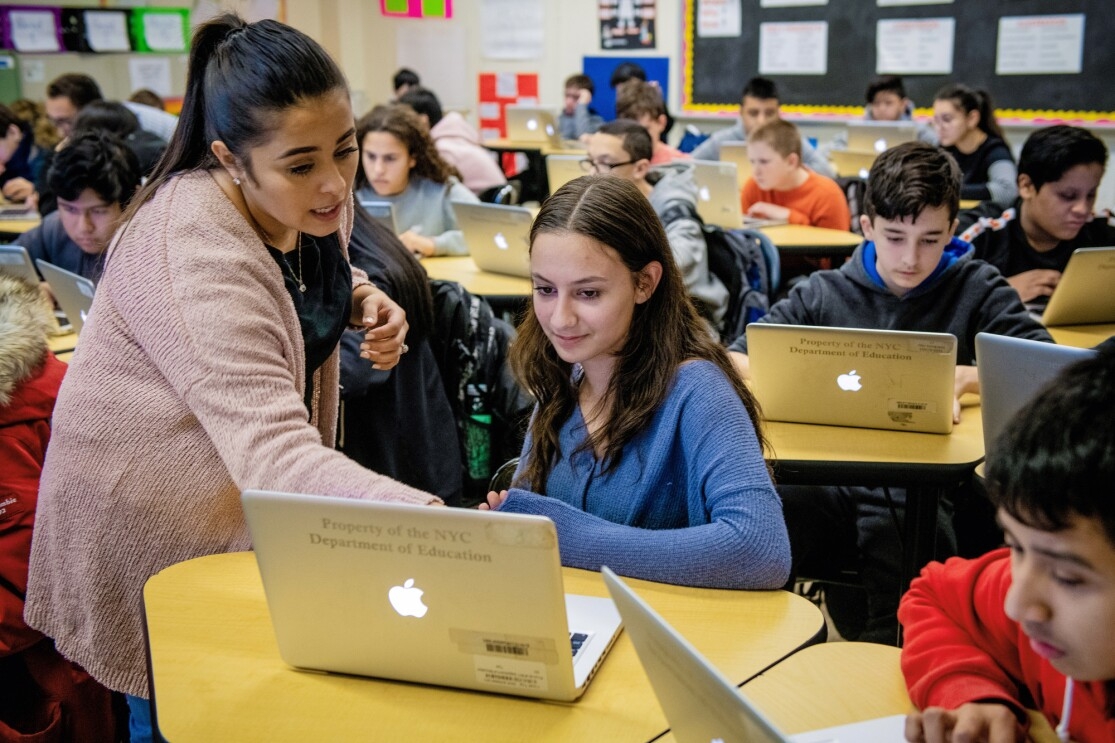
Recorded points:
1056,459
80,89
636,98
627,71
95,159
910,177
580,82
148,97
405,76
112,116
762,88
636,139
423,101
885,84
1050,152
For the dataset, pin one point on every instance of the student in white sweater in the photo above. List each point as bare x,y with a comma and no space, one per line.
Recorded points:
399,163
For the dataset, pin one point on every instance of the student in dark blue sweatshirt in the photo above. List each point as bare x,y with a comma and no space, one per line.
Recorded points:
910,274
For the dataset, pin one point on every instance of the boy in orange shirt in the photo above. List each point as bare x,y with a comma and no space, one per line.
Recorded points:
781,187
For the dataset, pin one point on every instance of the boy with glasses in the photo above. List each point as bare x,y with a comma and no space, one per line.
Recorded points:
623,148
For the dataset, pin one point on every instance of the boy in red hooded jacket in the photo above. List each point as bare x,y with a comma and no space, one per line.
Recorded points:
1029,626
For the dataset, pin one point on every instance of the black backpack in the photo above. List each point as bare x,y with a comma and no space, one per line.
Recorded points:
470,345
745,261
855,189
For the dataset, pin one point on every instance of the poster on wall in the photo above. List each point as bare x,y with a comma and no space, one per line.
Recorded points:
627,24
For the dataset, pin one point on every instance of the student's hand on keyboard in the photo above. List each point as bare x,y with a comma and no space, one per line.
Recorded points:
1039,282
19,190
494,500
971,723
766,210
418,244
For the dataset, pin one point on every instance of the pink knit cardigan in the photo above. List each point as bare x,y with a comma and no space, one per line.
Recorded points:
187,387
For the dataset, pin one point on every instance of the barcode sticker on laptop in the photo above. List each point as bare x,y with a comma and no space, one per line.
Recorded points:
510,673
499,644
910,406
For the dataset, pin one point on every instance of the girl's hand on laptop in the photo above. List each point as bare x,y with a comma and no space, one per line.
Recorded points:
766,210
989,721
495,500
418,244
1039,282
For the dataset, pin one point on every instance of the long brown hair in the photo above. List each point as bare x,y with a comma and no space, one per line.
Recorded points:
405,125
665,331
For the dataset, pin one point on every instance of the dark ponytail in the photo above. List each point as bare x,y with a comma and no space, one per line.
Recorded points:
971,99
239,74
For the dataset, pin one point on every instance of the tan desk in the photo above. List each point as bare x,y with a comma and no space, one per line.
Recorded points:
463,270
217,675
820,241
510,145
838,683
15,227
926,464
1081,336
62,343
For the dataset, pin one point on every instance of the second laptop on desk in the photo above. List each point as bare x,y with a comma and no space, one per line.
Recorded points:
498,237
887,379
1085,295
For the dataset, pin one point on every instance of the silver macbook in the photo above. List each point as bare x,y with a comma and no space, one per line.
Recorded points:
531,124
15,261
447,596
853,163
736,152
702,705
382,212
1084,295
878,136
73,293
718,197
498,237
560,169
1011,373
888,379
12,211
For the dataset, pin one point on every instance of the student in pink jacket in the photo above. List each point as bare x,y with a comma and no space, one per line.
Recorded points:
209,362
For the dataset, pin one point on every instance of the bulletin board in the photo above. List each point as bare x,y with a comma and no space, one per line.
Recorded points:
715,69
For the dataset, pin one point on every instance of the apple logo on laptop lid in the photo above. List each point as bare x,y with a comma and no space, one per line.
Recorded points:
407,600
849,382
500,241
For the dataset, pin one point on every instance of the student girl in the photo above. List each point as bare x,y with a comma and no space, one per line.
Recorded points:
645,447
208,364
964,120
400,164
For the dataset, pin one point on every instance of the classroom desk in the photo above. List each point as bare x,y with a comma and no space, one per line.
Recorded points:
1081,336
838,683
216,673
496,287
10,228
817,241
545,148
62,343
926,464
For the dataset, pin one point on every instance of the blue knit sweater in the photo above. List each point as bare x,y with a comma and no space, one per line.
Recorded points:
690,502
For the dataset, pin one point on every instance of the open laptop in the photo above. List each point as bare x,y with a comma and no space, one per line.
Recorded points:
447,596
702,705
530,124
1084,294
560,169
382,212
73,293
878,136
888,379
853,163
498,237
12,211
1011,373
718,193
15,261
736,152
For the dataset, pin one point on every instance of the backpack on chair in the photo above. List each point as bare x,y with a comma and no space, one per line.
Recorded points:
470,345
745,261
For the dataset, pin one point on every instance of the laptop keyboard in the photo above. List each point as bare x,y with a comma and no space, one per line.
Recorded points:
577,640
